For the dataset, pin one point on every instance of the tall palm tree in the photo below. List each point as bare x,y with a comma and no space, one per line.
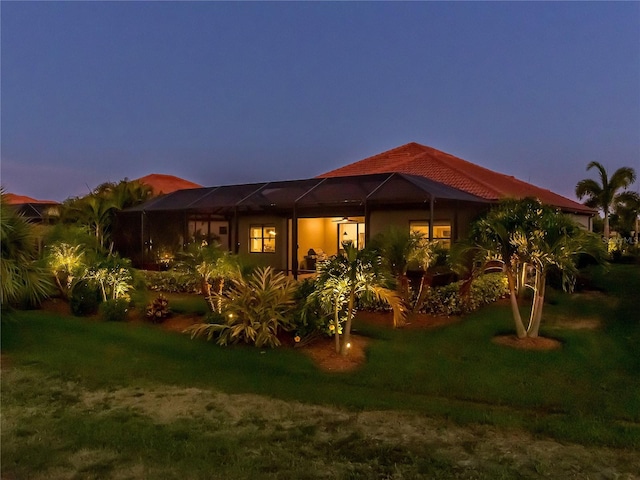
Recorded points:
603,195
628,209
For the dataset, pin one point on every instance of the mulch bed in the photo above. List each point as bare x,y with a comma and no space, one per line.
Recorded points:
538,343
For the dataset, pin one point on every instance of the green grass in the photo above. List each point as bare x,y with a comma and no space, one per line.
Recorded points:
588,392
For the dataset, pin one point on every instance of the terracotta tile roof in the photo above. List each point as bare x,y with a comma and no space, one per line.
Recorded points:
166,183
13,199
420,160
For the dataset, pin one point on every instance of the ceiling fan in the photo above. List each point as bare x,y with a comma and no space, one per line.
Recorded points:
345,220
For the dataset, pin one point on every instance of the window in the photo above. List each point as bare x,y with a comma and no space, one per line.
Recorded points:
262,239
441,231
204,228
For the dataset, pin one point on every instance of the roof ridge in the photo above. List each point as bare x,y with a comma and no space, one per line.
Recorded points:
462,172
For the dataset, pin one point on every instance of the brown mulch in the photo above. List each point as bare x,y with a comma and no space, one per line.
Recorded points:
414,320
323,352
527,343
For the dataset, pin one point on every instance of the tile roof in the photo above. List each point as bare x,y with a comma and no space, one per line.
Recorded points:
423,161
166,183
14,199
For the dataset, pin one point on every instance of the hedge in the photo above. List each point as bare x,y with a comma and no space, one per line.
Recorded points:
170,281
448,300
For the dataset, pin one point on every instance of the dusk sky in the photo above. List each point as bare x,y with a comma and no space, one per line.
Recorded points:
225,93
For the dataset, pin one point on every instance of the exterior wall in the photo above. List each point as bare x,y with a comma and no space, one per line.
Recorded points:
277,259
585,221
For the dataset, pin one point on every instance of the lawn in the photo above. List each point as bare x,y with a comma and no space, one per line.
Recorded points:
88,399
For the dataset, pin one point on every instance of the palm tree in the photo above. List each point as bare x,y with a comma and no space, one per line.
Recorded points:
628,209
523,234
603,195
555,241
22,277
396,245
210,264
97,210
67,263
346,277
399,249
490,243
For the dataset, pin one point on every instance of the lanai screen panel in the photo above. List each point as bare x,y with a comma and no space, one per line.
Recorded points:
342,190
225,198
279,195
178,200
402,188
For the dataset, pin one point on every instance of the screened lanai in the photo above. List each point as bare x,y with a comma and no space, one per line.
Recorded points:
284,223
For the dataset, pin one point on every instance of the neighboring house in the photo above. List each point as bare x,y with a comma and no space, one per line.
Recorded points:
35,211
163,184
291,224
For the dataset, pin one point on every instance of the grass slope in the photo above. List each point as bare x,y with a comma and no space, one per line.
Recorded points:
81,394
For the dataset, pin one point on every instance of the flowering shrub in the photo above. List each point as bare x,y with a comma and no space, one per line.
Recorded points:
448,300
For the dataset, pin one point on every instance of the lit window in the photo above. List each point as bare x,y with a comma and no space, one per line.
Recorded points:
441,231
262,239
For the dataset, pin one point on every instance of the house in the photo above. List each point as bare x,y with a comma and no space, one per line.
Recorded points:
290,224
163,184
423,161
35,211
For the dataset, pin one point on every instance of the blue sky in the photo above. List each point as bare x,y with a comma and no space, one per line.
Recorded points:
223,93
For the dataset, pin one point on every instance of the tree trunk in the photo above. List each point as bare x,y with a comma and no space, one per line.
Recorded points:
534,301
63,291
419,298
522,281
336,326
520,330
534,328
346,341
606,225
220,288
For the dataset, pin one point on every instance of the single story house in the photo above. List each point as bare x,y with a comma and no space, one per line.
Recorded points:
290,224
34,210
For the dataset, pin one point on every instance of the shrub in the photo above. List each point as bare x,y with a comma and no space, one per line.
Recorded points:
448,300
308,317
170,281
85,298
254,309
115,310
158,310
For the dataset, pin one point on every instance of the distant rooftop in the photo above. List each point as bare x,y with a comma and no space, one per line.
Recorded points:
14,199
160,183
